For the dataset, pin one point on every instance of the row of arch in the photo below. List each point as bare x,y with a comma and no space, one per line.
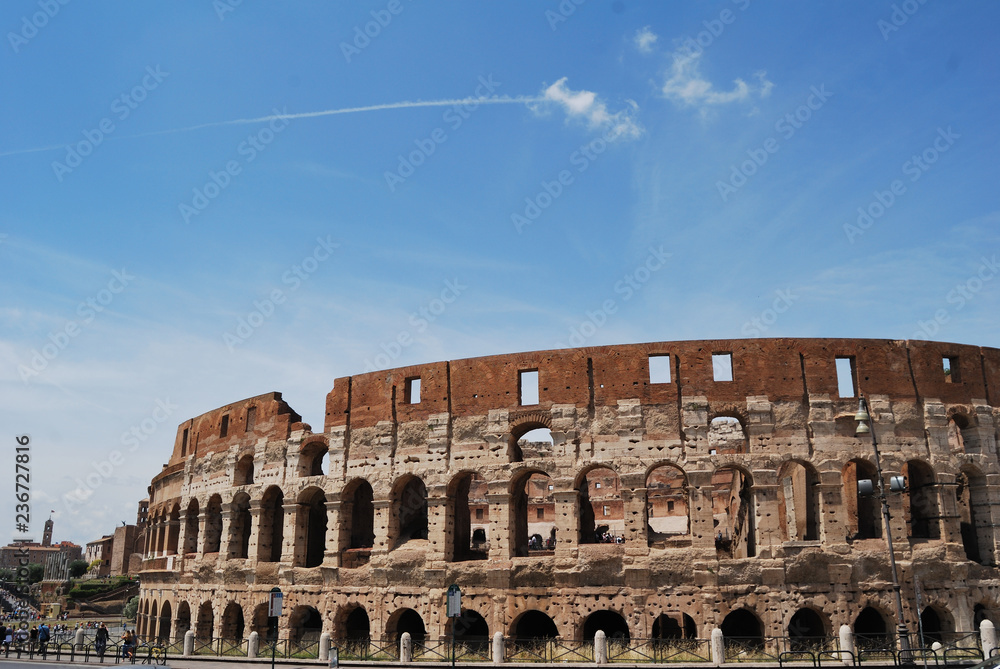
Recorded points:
807,625
600,513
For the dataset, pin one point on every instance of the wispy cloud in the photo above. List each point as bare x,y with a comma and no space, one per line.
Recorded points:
587,107
645,39
686,85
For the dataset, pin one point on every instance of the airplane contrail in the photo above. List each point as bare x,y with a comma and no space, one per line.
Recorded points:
503,100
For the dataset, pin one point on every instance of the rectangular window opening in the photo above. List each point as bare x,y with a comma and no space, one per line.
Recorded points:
411,391
847,376
670,506
224,428
597,485
607,510
184,442
251,418
539,513
659,369
527,387
951,369
722,366
479,514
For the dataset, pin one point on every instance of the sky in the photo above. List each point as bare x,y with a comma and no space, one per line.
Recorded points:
204,201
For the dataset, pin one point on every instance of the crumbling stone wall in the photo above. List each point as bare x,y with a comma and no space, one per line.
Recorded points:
784,464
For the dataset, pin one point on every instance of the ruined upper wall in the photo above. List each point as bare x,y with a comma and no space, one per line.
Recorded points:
780,369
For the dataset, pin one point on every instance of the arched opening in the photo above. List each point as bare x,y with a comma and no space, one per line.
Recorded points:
163,633
240,527
191,522
356,626
304,625
144,619
667,510
311,523
470,517
742,632
863,512
183,623
244,471
409,511
260,623
733,513
973,512
962,436
406,620
357,523
921,504
533,513
534,625
470,628
206,622
312,459
726,435
232,621
601,511
213,524
271,533
806,631
936,625
674,626
798,502
610,622
530,439
173,529
871,631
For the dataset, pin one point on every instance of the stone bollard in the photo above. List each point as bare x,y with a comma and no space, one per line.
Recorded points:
253,645
847,644
718,645
79,639
600,647
405,648
936,647
188,643
988,635
324,646
497,648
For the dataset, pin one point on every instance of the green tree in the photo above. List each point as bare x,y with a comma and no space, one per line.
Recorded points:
35,572
78,568
131,608
6,574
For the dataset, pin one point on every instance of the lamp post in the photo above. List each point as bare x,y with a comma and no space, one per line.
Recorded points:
863,419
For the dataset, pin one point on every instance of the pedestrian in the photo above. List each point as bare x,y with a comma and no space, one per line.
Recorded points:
101,641
43,637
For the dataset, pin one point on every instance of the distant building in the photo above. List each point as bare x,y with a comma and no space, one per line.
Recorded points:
38,553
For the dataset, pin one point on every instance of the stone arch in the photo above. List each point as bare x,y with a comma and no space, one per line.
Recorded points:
260,623
205,626
357,522
173,528
232,621
974,515
522,425
405,620
807,630
963,435
305,624
243,474
532,512
468,510
674,626
310,528
213,524
191,526
667,503
743,629
871,630
183,621
612,623
799,501
470,627
733,511
936,625
353,624
864,517
240,527
271,525
148,611
408,519
533,624
600,508
727,433
166,616
921,506
313,457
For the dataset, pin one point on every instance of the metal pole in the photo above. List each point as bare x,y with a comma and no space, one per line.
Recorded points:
274,641
902,632
453,621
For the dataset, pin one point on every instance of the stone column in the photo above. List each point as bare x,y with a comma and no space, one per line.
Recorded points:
334,521
833,527
635,511
718,647
768,532
289,538
567,503
437,523
253,546
600,647
182,534
950,521
497,648
380,525
225,540
501,510
202,526
700,497
847,644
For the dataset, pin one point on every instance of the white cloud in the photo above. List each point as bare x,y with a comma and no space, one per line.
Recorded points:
645,39
585,106
686,85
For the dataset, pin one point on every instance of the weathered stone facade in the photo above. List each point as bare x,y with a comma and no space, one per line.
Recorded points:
728,496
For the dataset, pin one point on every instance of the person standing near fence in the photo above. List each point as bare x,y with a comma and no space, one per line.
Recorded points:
43,637
101,641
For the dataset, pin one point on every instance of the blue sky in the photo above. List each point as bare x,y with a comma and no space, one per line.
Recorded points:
181,227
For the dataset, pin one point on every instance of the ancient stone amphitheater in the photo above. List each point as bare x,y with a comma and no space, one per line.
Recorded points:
650,491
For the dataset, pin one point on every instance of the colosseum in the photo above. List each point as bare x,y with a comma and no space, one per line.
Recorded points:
651,491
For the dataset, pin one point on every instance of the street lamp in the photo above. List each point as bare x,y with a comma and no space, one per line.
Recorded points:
863,419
